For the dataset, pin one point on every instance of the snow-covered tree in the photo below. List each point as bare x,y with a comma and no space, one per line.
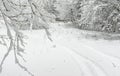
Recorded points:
17,15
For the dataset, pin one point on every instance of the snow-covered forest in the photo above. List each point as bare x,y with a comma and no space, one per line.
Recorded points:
59,37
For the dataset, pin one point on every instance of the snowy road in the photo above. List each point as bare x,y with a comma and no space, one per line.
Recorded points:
68,55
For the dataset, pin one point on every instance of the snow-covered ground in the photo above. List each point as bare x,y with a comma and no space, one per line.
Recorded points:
69,54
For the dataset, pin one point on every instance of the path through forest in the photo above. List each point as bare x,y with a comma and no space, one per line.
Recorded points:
69,54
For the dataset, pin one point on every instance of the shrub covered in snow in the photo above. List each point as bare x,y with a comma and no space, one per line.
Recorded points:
100,15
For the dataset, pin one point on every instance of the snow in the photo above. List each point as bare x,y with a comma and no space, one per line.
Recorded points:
70,54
